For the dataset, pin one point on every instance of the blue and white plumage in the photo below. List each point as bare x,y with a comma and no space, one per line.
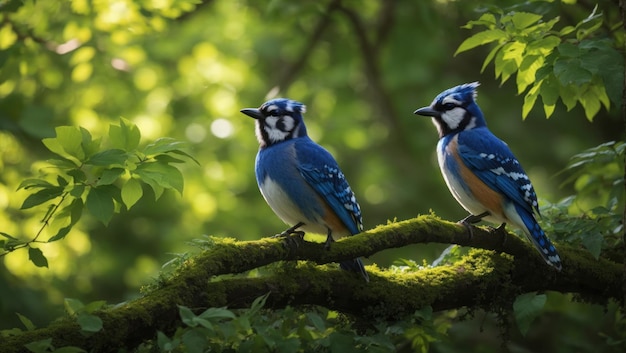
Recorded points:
300,180
480,170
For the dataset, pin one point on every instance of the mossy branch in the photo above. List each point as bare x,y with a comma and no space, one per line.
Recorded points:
482,278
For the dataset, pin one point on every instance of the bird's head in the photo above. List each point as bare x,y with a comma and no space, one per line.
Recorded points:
455,110
278,120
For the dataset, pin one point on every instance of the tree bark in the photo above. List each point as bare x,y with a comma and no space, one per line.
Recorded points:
500,267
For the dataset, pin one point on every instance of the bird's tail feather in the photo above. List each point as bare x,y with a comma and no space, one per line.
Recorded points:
538,237
355,265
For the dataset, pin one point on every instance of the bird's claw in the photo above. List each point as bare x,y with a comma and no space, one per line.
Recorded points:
468,222
501,229
468,226
292,240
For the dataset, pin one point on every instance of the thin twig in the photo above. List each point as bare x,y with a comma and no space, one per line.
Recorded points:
293,70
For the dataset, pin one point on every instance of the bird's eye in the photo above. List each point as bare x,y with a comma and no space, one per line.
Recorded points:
449,106
273,112
280,125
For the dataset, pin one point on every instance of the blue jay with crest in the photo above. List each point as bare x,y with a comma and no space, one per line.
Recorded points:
300,180
480,170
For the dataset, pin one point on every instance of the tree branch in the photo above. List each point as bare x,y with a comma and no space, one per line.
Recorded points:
292,71
483,278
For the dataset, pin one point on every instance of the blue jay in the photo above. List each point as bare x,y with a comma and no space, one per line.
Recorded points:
300,180
480,170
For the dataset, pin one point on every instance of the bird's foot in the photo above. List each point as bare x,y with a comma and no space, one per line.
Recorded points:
329,240
292,241
501,230
292,237
469,221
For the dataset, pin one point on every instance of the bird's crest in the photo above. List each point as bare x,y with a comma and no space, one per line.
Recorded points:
465,94
282,106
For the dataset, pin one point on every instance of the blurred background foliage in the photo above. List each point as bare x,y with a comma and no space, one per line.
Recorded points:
184,68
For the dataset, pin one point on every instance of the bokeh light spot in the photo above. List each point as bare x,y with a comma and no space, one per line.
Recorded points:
195,132
145,79
222,128
374,194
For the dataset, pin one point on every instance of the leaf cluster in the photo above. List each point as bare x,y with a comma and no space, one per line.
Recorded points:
578,64
104,179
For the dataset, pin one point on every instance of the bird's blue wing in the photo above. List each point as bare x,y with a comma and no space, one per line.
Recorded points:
494,164
331,184
321,171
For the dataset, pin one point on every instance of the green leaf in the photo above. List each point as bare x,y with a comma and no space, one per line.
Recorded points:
543,46
162,145
26,322
569,95
34,183
112,157
41,346
100,202
514,51
167,159
41,196
530,99
527,70
491,55
77,174
187,316
77,191
89,323
481,38
6,235
526,308
566,30
570,72
109,176
61,181
590,100
163,175
487,19
549,94
124,136
217,314
54,146
549,90
523,20
131,192
36,256
88,143
73,306
183,153
568,50
70,138
504,67
593,242
60,234
165,343
93,306
258,304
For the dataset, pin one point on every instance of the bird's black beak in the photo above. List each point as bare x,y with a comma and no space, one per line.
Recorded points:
427,111
252,112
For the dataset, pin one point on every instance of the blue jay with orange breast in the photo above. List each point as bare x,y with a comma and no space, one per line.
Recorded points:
300,180
480,170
